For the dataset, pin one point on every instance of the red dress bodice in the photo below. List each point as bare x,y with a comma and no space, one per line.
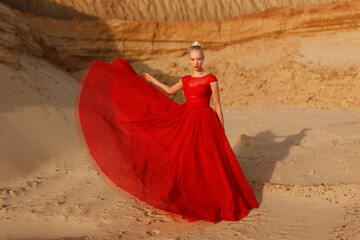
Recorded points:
197,90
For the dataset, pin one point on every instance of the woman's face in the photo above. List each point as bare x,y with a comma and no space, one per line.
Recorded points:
196,59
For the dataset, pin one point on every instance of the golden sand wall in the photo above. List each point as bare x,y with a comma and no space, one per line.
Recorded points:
295,55
158,10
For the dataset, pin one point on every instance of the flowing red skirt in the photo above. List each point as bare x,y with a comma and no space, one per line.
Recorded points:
174,157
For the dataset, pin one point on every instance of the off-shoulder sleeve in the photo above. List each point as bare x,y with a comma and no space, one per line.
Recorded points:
212,78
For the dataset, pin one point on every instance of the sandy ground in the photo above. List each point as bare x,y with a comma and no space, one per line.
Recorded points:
303,165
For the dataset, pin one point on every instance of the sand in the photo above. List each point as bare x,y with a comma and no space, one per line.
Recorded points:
302,163
290,91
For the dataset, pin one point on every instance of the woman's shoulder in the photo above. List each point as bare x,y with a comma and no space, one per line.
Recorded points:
186,76
183,78
212,77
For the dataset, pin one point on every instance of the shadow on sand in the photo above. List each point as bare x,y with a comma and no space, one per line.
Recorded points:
259,154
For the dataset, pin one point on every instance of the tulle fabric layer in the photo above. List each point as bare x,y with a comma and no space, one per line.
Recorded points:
173,157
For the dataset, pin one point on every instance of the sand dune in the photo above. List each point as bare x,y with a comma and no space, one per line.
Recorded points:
36,116
302,164
290,92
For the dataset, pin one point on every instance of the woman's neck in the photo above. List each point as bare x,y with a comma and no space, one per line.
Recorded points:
199,73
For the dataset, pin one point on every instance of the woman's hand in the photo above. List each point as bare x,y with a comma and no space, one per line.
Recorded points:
146,77
163,87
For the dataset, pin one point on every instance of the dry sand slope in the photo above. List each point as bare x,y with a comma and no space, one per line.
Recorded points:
291,109
303,165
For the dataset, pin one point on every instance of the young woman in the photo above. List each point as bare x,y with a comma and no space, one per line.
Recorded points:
174,157
196,58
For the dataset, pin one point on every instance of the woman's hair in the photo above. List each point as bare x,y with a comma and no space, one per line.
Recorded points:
196,46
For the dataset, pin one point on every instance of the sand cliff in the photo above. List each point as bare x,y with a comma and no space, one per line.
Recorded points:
158,10
291,55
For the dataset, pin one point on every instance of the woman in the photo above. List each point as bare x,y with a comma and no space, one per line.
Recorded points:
196,58
174,157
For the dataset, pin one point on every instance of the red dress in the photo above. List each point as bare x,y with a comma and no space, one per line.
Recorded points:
173,157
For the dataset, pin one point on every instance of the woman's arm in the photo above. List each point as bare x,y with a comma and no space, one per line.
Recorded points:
163,87
216,102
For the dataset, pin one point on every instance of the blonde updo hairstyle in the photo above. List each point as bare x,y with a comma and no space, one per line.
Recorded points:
196,46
